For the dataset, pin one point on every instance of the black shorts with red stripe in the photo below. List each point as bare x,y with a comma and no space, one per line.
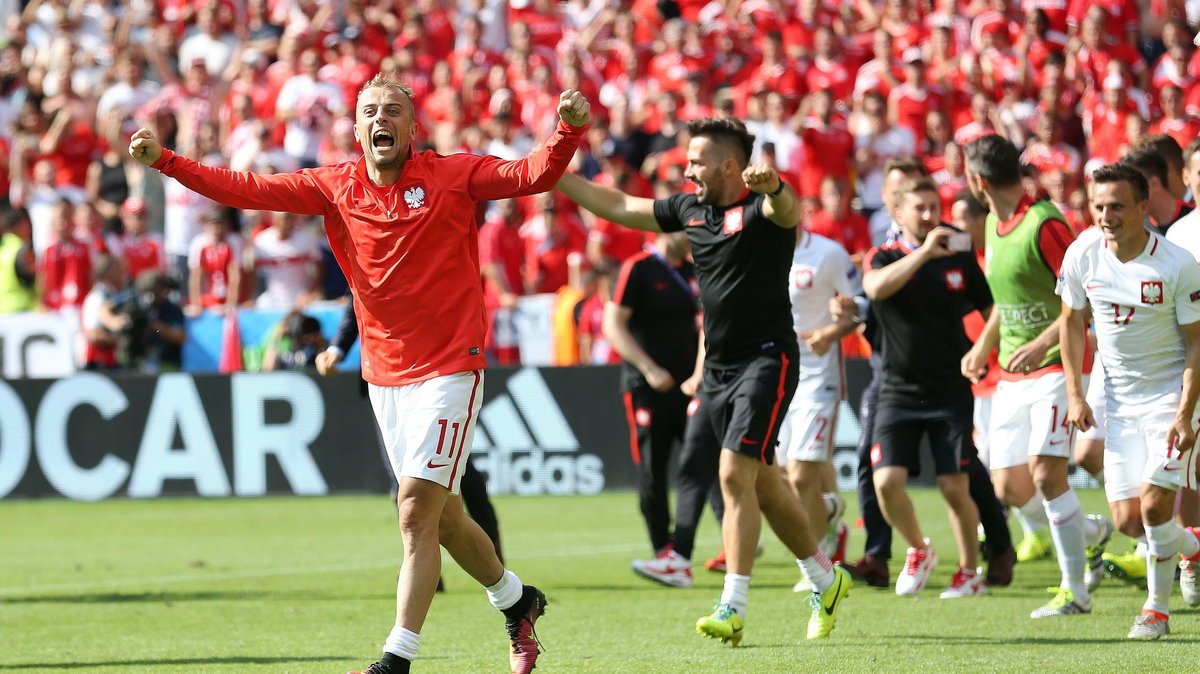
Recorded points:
902,422
747,402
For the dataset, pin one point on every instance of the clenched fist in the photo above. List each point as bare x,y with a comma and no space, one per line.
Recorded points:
144,147
573,108
761,178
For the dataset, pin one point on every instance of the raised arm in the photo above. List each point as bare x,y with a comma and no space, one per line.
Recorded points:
288,192
609,203
781,205
494,178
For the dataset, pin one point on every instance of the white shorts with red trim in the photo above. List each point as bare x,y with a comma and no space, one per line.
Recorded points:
1136,450
428,427
808,429
1029,418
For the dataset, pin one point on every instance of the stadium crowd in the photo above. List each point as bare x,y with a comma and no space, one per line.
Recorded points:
832,91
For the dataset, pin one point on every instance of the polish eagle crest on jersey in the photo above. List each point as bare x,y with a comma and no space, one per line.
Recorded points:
802,277
733,220
955,280
414,197
1152,292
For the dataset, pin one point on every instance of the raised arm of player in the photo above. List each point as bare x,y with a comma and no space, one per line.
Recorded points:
610,204
494,178
1183,430
781,205
1072,336
296,192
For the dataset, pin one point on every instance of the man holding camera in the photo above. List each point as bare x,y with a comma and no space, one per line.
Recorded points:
920,288
1030,435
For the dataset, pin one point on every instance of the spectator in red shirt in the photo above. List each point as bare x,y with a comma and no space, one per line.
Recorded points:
983,117
880,73
951,178
214,266
554,241
911,102
501,257
828,147
1091,61
1175,122
141,250
1107,122
609,244
1057,185
830,69
1046,152
66,265
837,222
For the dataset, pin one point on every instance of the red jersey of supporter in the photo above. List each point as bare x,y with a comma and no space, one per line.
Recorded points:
913,106
835,75
852,231
501,244
591,323
826,152
214,259
76,149
1092,64
1108,128
409,250
142,253
617,241
1045,158
1121,16
1056,15
1183,130
66,270
547,262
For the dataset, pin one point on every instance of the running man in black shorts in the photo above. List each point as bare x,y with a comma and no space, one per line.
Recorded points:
740,224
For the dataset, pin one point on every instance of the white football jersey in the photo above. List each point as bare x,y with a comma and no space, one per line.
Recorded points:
1137,308
821,268
287,266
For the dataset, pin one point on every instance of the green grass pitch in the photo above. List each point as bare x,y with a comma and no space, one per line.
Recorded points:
307,585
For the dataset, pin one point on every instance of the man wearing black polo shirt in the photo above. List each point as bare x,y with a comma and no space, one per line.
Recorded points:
739,223
651,322
920,289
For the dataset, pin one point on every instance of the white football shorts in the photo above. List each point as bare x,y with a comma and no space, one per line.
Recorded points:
428,427
808,429
1029,418
1136,450
983,423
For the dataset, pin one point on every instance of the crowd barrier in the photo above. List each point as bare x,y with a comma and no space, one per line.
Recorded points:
91,436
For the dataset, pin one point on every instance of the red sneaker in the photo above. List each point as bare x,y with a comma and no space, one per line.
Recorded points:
524,646
717,563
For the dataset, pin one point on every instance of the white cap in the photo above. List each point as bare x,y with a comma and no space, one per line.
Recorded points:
1114,81
913,54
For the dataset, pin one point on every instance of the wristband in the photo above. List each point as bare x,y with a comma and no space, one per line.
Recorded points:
778,189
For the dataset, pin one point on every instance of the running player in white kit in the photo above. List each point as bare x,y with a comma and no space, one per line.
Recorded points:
821,270
1144,295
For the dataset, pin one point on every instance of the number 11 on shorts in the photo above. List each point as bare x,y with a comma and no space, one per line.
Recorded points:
445,423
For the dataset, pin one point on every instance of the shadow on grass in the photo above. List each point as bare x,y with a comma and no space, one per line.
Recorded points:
165,662
1024,640
160,597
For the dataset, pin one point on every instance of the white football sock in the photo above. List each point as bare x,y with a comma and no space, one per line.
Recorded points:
1032,515
402,643
1163,543
1066,528
736,592
506,591
819,570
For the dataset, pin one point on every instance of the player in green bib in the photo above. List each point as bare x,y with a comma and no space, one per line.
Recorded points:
1030,437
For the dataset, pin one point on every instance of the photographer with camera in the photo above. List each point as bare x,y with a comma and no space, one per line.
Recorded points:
153,340
294,344
102,323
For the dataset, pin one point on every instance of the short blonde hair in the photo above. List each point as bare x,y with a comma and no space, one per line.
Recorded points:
386,81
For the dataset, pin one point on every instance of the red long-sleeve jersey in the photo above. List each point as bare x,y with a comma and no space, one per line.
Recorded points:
409,250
